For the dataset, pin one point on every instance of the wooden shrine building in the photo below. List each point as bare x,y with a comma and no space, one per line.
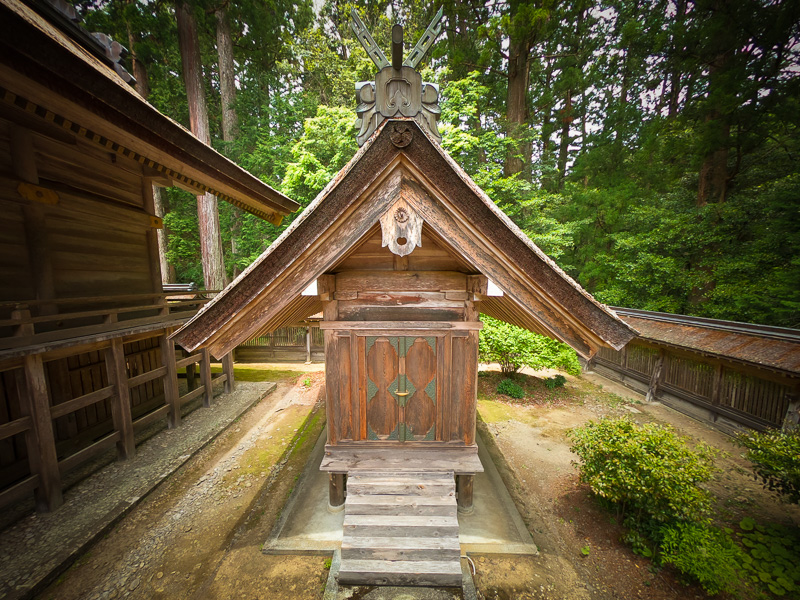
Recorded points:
398,251
85,359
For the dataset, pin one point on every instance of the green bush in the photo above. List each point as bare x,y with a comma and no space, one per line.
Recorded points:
555,382
775,456
648,472
703,553
509,388
513,348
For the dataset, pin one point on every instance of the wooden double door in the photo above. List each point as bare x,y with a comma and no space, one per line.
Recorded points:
401,383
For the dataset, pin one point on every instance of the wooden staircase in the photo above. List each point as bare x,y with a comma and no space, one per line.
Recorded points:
401,528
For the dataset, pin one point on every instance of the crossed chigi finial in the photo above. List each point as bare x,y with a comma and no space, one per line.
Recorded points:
398,88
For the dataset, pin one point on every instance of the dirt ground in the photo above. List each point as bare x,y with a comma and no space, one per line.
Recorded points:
200,534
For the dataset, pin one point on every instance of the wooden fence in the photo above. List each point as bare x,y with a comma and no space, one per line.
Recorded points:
65,398
299,343
726,392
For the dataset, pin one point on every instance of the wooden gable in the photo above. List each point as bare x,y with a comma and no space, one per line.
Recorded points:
471,235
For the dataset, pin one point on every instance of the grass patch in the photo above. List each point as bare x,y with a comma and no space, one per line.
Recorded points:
256,374
494,411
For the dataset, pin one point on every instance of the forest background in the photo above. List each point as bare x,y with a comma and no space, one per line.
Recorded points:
649,147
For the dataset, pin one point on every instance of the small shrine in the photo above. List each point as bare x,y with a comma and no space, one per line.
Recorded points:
401,252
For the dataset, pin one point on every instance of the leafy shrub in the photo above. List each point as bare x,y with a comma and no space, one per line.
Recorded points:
555,382
513,348
775,456
647,472
509,388
706,554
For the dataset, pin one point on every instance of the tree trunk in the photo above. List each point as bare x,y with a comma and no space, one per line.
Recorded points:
207,212
167,274
227,77
517,113
563,151
143,88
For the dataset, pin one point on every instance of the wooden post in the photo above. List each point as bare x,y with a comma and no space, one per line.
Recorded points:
171,394
656,377
227,368
308,345
716,386
39,439
205,377
191,378
464,485
336,486
121,402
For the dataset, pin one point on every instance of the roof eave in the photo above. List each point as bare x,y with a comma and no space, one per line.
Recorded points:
64,78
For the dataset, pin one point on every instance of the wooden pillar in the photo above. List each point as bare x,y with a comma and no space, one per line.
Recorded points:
716,386
191,377
227,368
326,288
121,402
657,377
308,345
205,377
171,394
336,486
39,439
464,485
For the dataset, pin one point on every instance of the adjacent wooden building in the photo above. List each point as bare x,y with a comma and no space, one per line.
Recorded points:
85,359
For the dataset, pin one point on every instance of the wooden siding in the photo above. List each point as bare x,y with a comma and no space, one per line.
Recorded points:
756,398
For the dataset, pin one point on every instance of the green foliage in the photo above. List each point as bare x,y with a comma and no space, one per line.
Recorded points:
771,557
775,455
648,472
327,143
511,389
513,348
705,554
555,382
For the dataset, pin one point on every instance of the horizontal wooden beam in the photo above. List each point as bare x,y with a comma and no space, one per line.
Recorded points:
149,376
19,491
401,325
65,408
188,360
153,415
100,445
14,427
193,394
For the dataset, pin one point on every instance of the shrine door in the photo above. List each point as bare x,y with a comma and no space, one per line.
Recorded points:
401,388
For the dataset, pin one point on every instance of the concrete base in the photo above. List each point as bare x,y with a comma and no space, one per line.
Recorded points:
307,526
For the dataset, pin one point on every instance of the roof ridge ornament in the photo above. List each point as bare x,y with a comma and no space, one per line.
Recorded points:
398,89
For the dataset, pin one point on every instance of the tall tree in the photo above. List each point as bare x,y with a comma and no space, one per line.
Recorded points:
207,205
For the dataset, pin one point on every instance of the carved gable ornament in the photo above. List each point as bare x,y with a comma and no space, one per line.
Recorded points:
401,229
398,89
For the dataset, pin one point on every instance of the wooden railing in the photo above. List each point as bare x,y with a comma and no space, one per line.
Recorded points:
38,398
57,323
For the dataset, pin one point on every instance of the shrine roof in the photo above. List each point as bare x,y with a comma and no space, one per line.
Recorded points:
538,294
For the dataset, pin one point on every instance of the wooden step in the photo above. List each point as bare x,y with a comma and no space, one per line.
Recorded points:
399,505
401,572
400,548
401,487
400,528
